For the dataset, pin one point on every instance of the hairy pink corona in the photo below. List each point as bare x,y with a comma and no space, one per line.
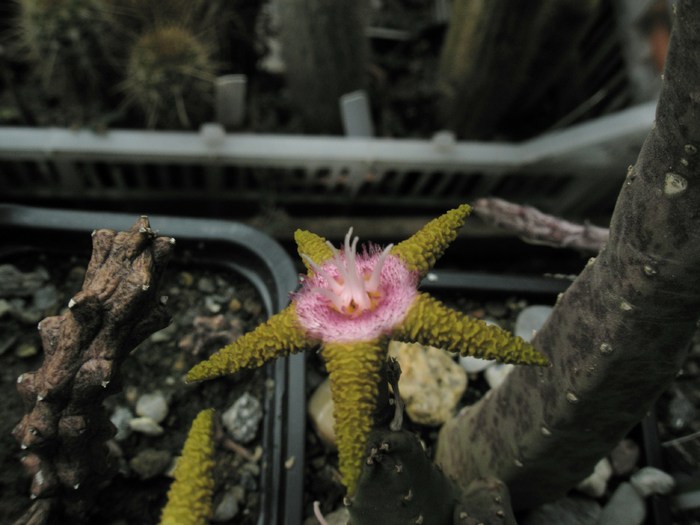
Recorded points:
355,296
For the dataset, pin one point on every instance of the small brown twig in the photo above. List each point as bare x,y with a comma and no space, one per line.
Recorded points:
539,228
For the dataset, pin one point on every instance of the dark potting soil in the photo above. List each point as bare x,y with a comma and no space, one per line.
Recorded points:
209,308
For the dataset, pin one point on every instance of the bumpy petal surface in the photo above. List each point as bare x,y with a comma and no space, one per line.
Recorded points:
313,246
279,336
420,251
321,320
355,374
190,495
430,322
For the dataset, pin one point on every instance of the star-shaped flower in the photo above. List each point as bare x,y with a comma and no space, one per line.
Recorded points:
352,304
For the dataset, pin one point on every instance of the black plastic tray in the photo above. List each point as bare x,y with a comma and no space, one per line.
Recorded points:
255,256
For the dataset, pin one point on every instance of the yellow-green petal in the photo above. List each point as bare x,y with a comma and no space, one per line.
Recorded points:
420,251
430,322
279,336
355,374
190,495
313,246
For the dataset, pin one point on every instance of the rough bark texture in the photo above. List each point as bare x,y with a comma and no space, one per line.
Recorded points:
325,52
618,335
492,50
65,428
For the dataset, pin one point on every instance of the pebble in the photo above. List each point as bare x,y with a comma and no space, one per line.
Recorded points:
234,305
431,383
15,283
206,285
243,418
150,463
120,418
565,511
229,505
680,412
474,365
624,457
596,484
5,307
496,374
211,304
530,320
45,297
153,406
185,279
252,306
164,335
650,480
25,350
320,410
145,425
625,507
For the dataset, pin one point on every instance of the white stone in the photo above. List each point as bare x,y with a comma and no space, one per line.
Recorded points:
530,320
625,507
153,405
145,425
474,365
243,418
320,409
227,508
650,480
431,383
496,374
121,419
596,484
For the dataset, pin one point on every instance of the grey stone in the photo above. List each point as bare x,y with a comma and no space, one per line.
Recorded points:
624,457
206,285
5,307
152,405
120,418
565,511
650,480
243,418
227,508
14,283
45,297
164,335
625,507
596,484
150,463
530,320
680,412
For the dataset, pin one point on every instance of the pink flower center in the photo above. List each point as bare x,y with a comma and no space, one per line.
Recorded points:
349,290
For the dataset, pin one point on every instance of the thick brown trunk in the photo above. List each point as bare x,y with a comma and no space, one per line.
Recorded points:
618,335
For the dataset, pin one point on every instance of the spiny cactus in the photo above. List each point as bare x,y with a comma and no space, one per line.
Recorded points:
68,40
170,77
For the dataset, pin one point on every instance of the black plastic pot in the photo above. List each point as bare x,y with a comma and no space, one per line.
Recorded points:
235,247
